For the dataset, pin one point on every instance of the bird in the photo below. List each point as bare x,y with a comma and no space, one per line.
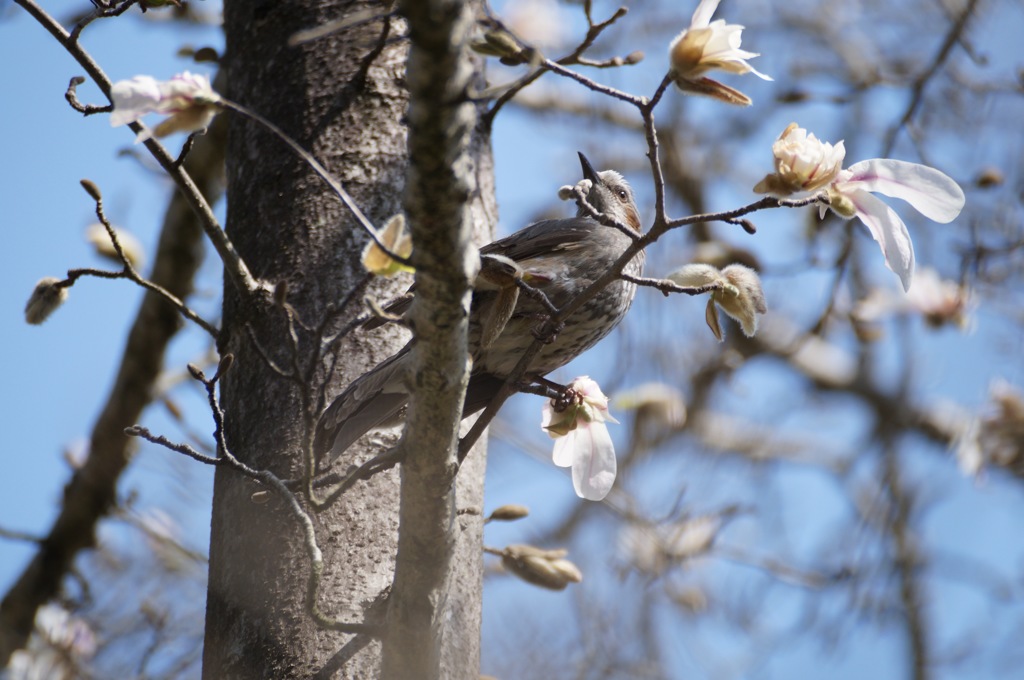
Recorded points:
558,257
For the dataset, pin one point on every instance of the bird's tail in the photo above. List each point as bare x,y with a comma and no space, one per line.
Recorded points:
371,399
377,397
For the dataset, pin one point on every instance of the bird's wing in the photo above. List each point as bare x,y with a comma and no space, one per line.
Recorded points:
543,238
371,399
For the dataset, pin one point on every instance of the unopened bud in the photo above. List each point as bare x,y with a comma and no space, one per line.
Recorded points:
696,276
499,43
224,366
46,297
749,300
509,513
989,177
98,236
544,568
196,372
841,205
711,318
737,292
91,189
206,54
568,192
568,570
634,57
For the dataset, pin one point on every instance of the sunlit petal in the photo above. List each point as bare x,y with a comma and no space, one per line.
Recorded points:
932,193
702,15
889,231
565,447
593,471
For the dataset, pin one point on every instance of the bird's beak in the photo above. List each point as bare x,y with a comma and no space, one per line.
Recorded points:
588,169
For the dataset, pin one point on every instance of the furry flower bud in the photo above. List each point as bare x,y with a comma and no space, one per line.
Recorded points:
45,299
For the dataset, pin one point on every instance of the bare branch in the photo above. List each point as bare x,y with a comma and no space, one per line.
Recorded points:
236,269
323,173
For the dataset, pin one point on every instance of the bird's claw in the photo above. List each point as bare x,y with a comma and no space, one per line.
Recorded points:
567,398
547,333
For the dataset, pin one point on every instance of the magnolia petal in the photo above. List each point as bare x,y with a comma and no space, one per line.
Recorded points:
565,447
757,73
133,99
711,317
594,467
192,119
702,15
714,89
546,413
932,193
889,231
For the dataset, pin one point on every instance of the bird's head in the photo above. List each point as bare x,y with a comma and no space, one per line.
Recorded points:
609,193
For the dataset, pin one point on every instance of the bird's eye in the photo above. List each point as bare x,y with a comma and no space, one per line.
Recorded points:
623,195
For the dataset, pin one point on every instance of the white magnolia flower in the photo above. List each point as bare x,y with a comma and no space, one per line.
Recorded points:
930,192
582,439
65,631
188,98
938,301
707,45
802,163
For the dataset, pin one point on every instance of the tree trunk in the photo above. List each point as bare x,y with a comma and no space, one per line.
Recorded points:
343,98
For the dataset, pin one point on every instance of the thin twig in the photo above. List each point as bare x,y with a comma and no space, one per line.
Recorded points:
651,134
537,295
594,85
185,449
574,57
15,535
581,200
234,266
917,90
731,216
129,272
267,479
71,95
103,11
322,172
666,286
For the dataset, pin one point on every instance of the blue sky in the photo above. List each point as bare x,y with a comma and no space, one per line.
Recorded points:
57,375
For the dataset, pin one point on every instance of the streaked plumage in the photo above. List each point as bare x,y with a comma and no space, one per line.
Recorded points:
559,257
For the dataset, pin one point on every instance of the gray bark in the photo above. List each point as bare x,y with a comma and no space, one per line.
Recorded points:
424,639
342,97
